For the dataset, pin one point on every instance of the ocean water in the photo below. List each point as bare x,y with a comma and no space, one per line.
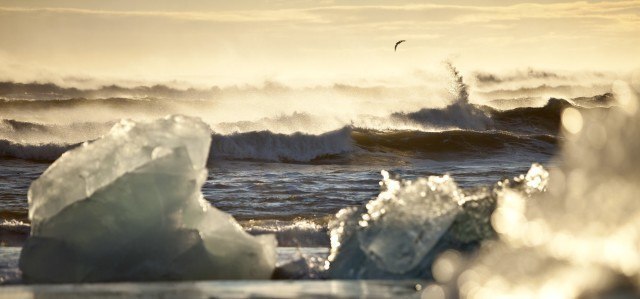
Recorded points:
289,171
289,183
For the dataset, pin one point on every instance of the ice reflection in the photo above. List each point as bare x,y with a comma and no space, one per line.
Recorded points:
221,289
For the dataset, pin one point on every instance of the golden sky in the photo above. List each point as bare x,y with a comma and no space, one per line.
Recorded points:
230,42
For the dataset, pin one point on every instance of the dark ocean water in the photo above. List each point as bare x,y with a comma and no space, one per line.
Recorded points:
289,183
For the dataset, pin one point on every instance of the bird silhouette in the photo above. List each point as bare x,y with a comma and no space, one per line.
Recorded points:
396,47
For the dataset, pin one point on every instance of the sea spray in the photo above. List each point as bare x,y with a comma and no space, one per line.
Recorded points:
459,114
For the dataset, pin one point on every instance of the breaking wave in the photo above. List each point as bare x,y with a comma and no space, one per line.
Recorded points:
268,146
460,114
534,128
43,133
13,232
300,148
259,146
461,127
454,141
296,233
33,152
470,129
532,119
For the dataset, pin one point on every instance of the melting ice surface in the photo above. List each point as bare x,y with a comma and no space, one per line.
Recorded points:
399,234
128,206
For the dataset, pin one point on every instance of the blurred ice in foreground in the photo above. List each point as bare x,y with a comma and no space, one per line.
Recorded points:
582,237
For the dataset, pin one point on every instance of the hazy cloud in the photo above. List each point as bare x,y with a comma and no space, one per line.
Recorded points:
234,40
621,11
224,16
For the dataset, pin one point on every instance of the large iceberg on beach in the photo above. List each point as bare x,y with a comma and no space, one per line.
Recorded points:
128,206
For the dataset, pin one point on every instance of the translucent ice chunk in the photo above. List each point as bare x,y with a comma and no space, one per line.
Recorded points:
392,236
128,207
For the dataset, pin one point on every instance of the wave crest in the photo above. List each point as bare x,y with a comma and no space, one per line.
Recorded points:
454,141
269,146
34,152
296,233
460,114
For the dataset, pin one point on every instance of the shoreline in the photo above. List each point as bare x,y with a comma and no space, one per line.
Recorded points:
288,264
224,289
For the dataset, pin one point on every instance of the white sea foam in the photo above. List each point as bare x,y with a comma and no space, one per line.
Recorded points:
299,232
459,114
257,145
14,225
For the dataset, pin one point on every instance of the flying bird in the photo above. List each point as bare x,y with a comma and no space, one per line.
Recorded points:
396,47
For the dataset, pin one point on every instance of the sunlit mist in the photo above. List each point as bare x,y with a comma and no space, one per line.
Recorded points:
306,42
